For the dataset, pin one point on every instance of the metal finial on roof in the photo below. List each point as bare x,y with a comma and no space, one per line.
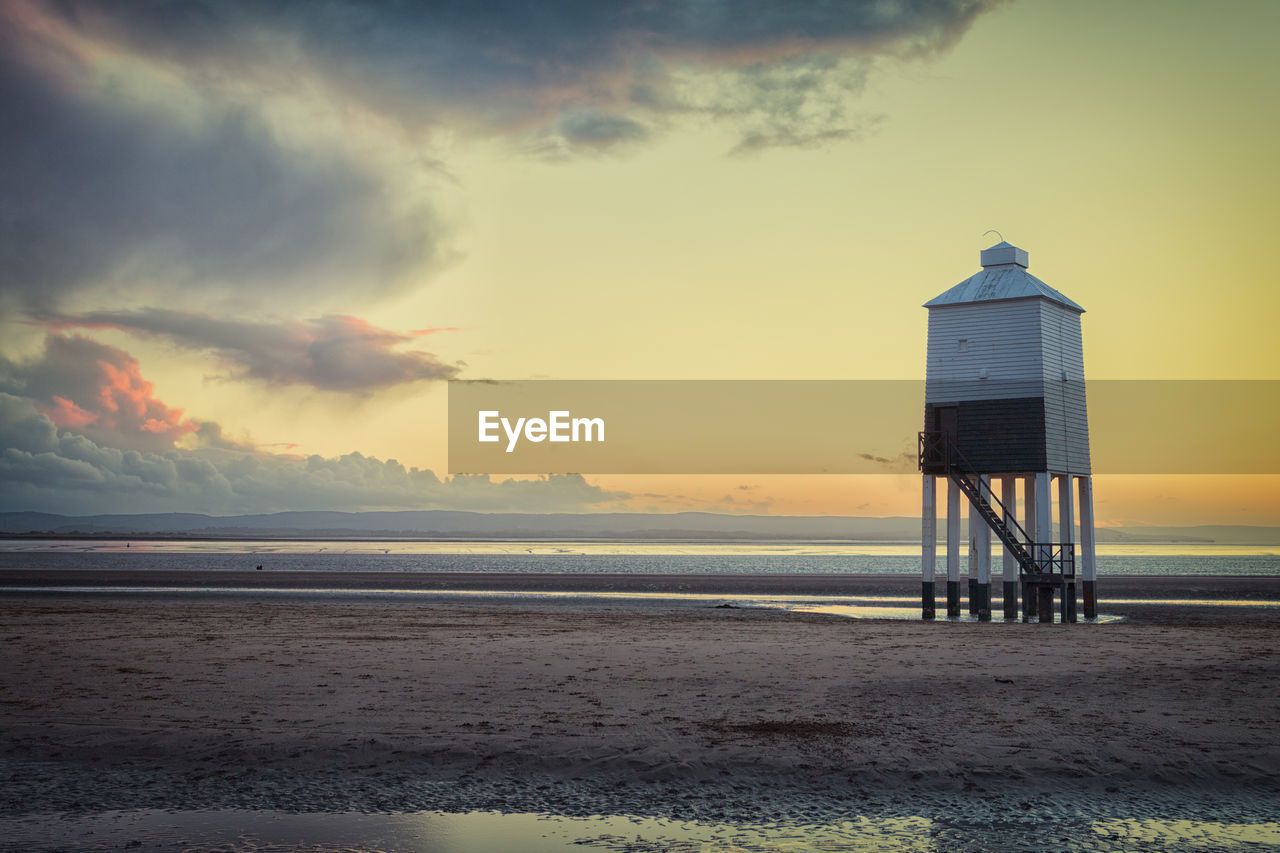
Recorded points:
995,232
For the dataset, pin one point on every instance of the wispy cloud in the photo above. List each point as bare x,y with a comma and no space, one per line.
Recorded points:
903,463
330,353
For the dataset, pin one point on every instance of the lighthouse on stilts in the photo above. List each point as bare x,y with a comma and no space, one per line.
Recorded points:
1004,406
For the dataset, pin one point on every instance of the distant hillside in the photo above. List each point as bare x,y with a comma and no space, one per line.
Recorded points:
443,524
1218,534
452,525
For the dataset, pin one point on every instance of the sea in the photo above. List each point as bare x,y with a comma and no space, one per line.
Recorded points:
591,556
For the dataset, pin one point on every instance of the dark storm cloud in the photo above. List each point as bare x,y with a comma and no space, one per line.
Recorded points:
546,42
199,193
331,353
98,191
509,65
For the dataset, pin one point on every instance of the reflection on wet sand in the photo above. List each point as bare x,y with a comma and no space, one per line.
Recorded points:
245,831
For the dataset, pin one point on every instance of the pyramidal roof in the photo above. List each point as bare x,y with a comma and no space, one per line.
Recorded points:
1004,276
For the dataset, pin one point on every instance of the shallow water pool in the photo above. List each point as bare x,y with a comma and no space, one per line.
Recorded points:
242,831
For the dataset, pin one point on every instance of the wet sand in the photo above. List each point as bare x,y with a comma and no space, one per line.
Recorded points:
298,703
905,586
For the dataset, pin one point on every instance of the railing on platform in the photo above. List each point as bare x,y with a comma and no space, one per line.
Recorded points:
934,453
1055,559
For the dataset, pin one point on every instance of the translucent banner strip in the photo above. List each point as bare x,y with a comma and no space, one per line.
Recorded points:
849,426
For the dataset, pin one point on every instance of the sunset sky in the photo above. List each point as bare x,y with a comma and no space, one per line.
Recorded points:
244,245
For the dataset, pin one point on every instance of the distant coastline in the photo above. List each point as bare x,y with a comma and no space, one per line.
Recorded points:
452,526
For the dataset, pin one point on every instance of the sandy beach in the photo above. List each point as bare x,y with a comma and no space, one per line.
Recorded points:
298,703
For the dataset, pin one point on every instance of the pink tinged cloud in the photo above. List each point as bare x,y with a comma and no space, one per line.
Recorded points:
66,414
125,392
88,387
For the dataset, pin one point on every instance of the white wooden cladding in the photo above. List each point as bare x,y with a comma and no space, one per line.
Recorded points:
1011,349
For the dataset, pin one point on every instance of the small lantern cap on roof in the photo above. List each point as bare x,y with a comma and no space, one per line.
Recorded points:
1004,253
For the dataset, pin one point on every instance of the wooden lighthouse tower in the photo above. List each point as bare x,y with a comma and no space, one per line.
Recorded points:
1005,406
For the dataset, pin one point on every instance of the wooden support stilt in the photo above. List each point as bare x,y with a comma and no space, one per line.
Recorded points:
976,526
1009,564
1088,566
928,544
953,549
1044,610
1066,535
982,569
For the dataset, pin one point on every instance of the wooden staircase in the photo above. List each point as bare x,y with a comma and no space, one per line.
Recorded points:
1040,564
